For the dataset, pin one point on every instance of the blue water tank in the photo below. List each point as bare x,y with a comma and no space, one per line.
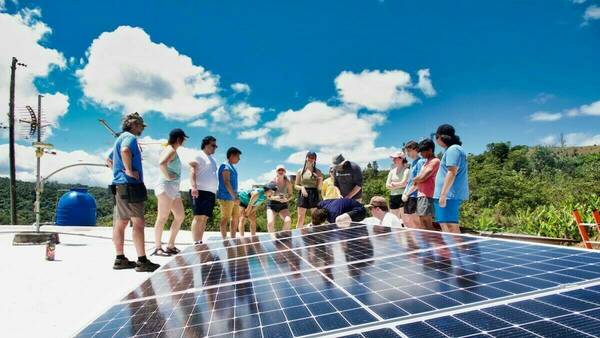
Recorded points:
76,207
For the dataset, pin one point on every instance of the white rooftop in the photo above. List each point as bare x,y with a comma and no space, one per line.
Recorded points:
58,298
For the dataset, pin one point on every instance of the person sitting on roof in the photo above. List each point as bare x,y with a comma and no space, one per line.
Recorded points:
342,211
249,200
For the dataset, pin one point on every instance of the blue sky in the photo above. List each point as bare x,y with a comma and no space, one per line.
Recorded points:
519,71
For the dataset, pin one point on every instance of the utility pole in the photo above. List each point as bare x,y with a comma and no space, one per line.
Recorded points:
11,143
38,155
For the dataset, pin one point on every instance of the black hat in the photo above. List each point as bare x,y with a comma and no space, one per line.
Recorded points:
426,144
176,134
270,186
445,129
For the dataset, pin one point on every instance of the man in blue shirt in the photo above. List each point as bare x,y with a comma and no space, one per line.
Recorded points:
227,193
130,194
339,210
452,180
411,219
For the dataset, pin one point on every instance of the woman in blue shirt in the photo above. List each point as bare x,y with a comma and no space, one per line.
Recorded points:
452,179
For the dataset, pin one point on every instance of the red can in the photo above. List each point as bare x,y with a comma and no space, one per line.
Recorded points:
50,251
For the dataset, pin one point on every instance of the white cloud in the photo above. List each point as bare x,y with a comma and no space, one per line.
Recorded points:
592,109
24,32
127,70
424,83
544,116
543,98
239,87
246,114
328,130
26,166
375,90
201,123
591,13
572,139
261,135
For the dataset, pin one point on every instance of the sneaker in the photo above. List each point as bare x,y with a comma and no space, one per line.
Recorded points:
146,266
123,263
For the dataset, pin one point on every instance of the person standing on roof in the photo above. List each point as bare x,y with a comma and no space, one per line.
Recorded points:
278,202
227,193
328,189
452,180
167,194
129,194
396,182
308,183
411,219
204,184
425,183
249,200
347,177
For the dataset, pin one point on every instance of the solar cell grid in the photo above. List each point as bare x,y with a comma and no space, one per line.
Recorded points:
335,279
568,314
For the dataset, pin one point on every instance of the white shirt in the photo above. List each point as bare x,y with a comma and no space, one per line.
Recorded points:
391,220
206,173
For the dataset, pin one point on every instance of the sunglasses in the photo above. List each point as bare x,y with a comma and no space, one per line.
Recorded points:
214,145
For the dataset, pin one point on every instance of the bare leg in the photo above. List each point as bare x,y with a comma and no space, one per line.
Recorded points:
178,216
198,226
138,235
311,211
450,227
119,234
164,208
287,219
427,222
235,219
252,218
301,216
270,220
241,226
223,224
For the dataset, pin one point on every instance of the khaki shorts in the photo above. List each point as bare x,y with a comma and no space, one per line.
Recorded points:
124,209
229,209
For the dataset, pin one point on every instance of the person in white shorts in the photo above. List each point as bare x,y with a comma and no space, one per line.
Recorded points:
167,194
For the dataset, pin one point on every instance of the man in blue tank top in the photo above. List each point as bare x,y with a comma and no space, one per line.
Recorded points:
227,194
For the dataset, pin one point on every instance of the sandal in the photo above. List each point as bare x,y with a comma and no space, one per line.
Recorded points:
160,252
172,251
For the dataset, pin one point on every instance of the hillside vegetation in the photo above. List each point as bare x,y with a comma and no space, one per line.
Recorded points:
520,189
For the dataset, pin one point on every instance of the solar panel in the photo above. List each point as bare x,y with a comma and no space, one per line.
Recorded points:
359,281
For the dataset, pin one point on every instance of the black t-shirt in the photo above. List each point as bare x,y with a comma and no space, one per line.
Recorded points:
346,178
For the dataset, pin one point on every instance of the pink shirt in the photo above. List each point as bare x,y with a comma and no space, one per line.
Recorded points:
427,187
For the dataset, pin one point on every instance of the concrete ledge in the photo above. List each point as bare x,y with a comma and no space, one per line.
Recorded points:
35,238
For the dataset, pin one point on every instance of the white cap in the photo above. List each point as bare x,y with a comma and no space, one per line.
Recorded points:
280,167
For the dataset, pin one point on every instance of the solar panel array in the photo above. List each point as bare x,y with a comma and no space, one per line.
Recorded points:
363,281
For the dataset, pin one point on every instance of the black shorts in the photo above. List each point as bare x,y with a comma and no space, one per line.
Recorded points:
277,206
410,206
204,204
358,215
310,201
396,202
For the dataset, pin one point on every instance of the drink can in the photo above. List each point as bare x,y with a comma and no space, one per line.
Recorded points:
50,251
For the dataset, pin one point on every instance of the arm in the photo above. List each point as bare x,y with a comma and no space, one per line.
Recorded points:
298,186
251,206
228,186
127,156
290,191
164,161
357,177
193,172
404,178
448,181
319,179
424,174
388,182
